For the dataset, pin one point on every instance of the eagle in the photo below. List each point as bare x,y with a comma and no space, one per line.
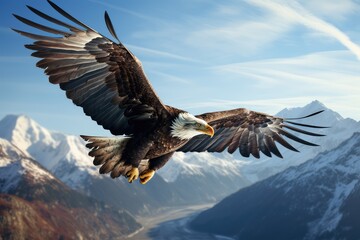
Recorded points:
107,80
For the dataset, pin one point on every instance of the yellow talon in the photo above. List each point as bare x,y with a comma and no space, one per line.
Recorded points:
133,174
146,176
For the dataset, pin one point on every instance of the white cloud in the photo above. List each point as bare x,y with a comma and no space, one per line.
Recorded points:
292,11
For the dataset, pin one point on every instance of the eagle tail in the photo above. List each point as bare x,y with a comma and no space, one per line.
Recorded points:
107,152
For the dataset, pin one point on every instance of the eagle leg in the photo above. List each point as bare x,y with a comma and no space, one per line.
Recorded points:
133,174
146,176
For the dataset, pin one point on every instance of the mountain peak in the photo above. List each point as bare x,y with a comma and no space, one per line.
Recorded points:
328,116
316,103
13,119
23,131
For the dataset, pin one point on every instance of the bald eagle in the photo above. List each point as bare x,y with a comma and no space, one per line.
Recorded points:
108,82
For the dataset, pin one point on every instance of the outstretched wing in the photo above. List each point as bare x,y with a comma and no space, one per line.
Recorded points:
102,77
250,132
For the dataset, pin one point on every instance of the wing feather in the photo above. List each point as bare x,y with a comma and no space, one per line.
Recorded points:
102,77
250,132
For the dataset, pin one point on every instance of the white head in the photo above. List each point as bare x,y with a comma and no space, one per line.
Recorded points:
186,126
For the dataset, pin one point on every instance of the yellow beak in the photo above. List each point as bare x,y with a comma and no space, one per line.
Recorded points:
208,130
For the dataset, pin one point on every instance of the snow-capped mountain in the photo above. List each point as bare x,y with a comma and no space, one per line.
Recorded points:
316,200
63,155
34,204
189,178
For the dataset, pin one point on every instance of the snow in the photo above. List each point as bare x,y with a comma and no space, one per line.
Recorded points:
10,150
200,164
326,160
64,155
14,163
332,216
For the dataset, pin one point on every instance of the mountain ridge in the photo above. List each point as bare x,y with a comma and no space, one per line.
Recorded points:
189,178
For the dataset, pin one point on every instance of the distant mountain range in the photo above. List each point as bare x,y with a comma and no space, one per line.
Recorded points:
317,200
36,205
190,178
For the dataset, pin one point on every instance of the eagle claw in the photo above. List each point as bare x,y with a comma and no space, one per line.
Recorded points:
133,174
146,176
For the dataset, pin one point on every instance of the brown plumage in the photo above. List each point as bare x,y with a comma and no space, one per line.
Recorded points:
108,82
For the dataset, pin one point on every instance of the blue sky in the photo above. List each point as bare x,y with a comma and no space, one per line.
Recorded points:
201,55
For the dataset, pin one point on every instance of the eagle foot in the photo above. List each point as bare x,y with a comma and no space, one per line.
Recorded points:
133,174
146,176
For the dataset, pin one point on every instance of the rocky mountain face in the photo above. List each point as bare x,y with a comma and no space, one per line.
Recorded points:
315,200
36,205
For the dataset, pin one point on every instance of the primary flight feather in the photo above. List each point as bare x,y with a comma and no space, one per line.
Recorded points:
108,82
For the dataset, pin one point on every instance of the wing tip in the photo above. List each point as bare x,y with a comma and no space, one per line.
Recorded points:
110,26
307,116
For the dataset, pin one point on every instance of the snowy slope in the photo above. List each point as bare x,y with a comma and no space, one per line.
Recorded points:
191,164
15,163
253,169
316,200
63,155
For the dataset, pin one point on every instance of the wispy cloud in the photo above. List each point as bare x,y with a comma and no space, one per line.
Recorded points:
170,78
240,37
293,11
161,53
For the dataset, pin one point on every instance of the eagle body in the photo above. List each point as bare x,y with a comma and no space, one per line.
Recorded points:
156,142
108,82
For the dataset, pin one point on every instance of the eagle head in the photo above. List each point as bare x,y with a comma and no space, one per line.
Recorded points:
186,126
